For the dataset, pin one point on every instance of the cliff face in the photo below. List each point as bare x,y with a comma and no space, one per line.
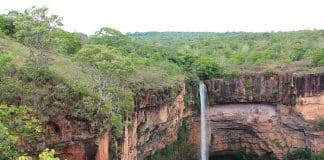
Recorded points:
282,121
155,124
72,139
311,108
264,88
259,129
262,113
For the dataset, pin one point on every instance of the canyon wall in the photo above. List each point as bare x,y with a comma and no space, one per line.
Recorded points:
264,88
257,128
260,113
155,124
72,139
263,114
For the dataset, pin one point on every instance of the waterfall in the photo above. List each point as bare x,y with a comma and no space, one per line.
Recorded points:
203,136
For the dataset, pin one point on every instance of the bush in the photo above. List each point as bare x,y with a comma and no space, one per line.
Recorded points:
178,150
66,42
320,124
207,68
17,123
5,60
38,75
304,154
6,24
298,52
47,154
242,155
11,91
318,58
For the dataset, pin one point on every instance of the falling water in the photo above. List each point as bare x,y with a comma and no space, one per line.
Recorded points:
203,141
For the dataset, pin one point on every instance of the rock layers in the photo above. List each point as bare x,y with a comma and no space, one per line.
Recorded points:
259,113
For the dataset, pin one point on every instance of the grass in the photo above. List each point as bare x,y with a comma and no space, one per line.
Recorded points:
154,77
320,124
61,64
68,69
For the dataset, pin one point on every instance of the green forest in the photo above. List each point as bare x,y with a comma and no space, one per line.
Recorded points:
45,70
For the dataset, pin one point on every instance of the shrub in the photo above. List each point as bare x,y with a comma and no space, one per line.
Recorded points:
298,52
242,155
178,150
11,91
304,154
207,68
66,42
320,124
47,154
318,58
17,123
5,60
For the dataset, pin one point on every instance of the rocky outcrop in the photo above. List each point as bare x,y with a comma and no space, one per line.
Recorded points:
259,129
264,88
155,122
263,113
311,108
103,148
72,139
269,115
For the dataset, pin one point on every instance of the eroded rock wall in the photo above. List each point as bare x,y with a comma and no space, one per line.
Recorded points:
264,88
263,113
277,122
259,129
156,122
72,139
285,124
311,108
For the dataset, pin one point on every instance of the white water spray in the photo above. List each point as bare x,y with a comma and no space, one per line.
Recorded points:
203,136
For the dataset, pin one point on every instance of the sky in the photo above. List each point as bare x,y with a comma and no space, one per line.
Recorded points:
88,16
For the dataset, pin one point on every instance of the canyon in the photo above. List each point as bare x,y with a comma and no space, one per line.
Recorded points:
263,113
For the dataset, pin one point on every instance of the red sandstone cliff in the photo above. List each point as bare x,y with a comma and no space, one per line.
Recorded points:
294,103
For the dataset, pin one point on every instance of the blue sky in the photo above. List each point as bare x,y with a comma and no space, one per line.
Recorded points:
182,15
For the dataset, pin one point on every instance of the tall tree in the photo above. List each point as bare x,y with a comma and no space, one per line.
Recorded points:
33,28
112,38
65,42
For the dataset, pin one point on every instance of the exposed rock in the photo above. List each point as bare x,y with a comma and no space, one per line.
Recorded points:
76,151
264,88
129,150
258,129
103,148
311,108
72,140
278,128
295,101
155,123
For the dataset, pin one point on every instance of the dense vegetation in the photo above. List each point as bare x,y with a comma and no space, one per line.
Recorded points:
178,150
242,155
16,124
47,71
242,52
304,154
